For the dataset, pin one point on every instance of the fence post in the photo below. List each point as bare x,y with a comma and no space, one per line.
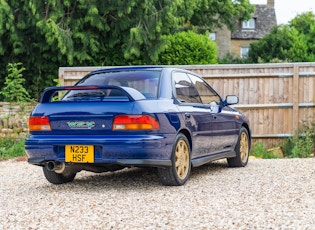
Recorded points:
295,93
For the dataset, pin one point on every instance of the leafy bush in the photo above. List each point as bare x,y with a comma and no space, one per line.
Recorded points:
287,146
187,48
14,90
301,144
260,151
230,58
10,148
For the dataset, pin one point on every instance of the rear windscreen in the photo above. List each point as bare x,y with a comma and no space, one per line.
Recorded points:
144,81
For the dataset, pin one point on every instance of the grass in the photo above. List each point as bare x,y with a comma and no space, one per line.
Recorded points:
11,148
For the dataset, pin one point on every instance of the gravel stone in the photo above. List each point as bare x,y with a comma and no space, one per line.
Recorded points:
267,194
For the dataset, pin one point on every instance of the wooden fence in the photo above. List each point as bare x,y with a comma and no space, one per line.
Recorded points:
278,99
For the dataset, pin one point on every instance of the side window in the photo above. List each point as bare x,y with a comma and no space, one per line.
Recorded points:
185,90
206,93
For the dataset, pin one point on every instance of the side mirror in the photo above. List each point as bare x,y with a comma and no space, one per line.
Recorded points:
230,100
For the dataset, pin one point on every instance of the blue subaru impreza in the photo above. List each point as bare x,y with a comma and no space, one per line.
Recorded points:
161,117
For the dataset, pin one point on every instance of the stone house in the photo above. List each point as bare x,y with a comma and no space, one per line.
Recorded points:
237,42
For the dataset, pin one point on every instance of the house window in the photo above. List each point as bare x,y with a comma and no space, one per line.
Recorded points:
244,52
212,36
249,24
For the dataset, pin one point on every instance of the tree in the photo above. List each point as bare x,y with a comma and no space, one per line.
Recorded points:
292,43
282,43
47,34
217,13
305,24
186,48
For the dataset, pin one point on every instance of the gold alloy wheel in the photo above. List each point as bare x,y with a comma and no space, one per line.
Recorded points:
244,147
182,159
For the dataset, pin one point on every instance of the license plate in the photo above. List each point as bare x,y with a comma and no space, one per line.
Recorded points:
80,153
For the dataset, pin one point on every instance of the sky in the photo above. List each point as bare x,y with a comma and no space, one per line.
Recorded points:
288,9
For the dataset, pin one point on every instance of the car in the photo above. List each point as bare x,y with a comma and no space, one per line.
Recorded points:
138,116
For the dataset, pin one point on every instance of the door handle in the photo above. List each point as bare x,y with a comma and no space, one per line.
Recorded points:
187,115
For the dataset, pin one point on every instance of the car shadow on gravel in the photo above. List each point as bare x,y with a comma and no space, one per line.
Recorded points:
215,167
133,178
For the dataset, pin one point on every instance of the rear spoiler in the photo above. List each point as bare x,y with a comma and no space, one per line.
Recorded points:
131,93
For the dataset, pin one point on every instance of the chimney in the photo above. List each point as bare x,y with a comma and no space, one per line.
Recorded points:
271,3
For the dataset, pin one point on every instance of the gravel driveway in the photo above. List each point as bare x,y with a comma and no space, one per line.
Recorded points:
267,194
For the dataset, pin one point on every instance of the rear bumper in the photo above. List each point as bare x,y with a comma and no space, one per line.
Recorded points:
144,150
124,162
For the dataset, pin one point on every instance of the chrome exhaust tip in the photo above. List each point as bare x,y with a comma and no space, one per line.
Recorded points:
54,166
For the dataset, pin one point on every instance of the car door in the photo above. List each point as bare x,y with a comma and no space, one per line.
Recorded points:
223,121
197,116
225,132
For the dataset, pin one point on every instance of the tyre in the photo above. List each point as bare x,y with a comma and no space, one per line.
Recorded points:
178,173
241,149
58,178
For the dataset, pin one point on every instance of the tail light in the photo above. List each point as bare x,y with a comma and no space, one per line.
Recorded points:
135,122
39,124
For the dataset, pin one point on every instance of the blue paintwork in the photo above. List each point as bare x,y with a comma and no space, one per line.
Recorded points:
212,135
